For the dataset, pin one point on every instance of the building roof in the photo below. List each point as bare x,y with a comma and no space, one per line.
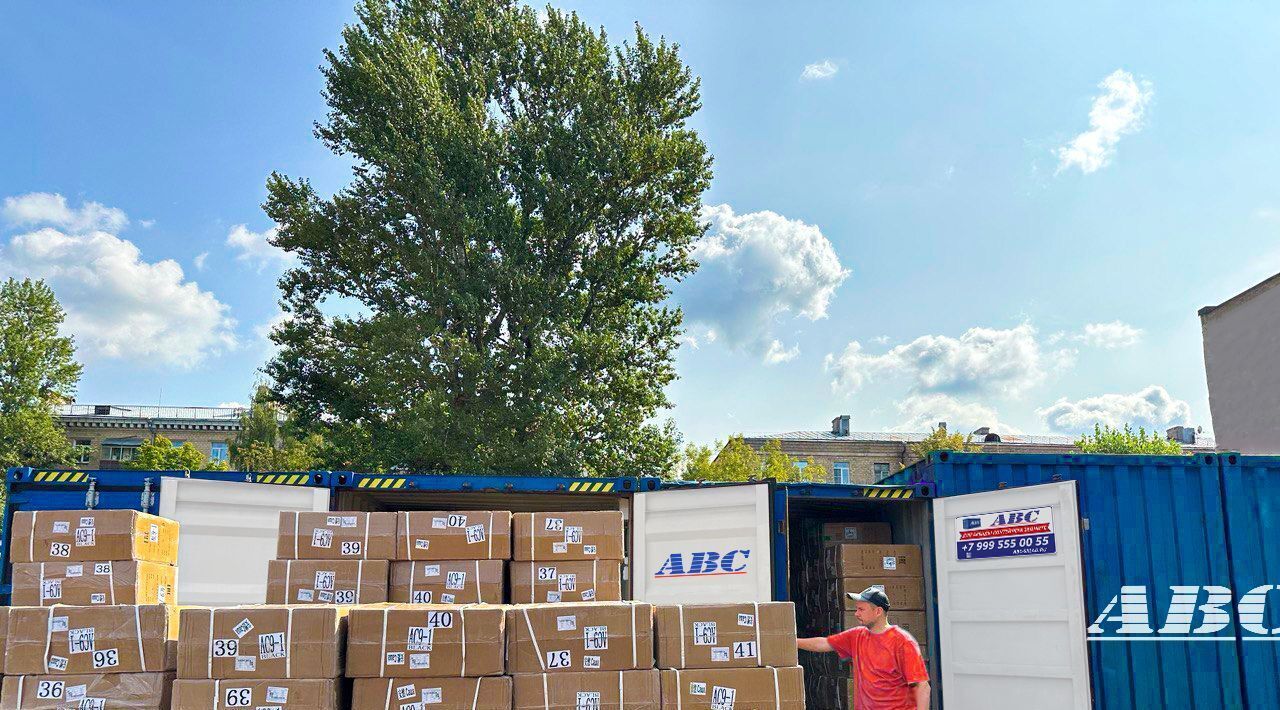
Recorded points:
1243,296
1203,441
115,412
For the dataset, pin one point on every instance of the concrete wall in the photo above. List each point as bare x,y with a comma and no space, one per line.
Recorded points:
200,436
1242,362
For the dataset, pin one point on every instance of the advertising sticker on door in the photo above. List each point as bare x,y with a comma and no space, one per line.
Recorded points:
1008,533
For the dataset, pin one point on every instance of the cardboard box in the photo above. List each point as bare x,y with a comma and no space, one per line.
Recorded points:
633,690
433,693
62,640
92,536
425,641
327,581
450,582
905,593
453,535
93,583
4,635
593,535
562,638
261,642
343,535
726,635
874,561
131,691
856,534
566,581
707,688
913,622
297,694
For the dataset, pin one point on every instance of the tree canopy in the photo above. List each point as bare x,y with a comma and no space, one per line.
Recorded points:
737,461
490,293
159,454
1106,439
940,439
269,440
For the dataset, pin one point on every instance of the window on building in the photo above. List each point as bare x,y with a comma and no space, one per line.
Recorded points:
218,451
120,453
84,450
840,472
880,470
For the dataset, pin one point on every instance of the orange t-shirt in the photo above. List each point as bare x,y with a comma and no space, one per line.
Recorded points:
884,665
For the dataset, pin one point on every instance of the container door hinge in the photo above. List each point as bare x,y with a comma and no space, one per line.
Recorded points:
146,495
1084,524
91,495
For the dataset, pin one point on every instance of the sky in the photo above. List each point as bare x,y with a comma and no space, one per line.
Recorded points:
1002,215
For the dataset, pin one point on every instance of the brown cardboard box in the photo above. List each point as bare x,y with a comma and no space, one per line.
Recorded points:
566,581
92,536
856,534
4,635
425,641
61,640
639,690
305,694
905,593
261,642
93,583
342,535
874,561
594,535
726,635
453,535
600,636
434,693
450,582
756,688
913,622
129,691
327,581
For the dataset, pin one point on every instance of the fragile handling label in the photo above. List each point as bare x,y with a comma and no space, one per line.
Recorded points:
1006,533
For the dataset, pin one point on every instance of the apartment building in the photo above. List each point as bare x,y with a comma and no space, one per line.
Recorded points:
108,435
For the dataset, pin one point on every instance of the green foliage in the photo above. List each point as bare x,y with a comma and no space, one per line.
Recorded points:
525,193
37,371
1109,440
269,439
159,454
737,461
940,440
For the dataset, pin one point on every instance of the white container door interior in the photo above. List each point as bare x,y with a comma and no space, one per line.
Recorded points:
228,534
702,545
1011,619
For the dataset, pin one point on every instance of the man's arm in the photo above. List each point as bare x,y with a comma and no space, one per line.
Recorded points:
817,644
922,695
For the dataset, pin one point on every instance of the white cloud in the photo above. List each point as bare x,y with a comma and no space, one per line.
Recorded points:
1152,408
922,412
198,262
147,223
756,270
263,330
256,248
49,208
824,69
1118,110
881,340
981,360
1110,336
117,304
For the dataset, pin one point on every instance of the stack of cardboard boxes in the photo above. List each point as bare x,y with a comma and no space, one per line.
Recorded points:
332,558
101,626
455,557
729,655
567,557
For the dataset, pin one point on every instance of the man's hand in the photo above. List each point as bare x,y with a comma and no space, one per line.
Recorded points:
922,695
817,644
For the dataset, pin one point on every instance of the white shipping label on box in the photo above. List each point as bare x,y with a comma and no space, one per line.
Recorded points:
333,521
58,623
588,595
322,538
559,548
588,700
420,544
546,574
86,537
51,589
57,663
421,597
588,549
591,662
226,648
75,570
324,581
405,692
395,658
242,628
720,653
457,521
566,623
746,620
106,658
324,597
432,696
101,568
439,523
50,689
553,597
246,664
277,694
420,638
475,533
595,638
573,535
153,535
349,521
272,646
555,525
696,688
446,598
559,659
744,649
704,633
76,692
440,620
306,595
890,562
419,660
455,580
61,527
80,640
723,698
101,598
568,582
431,571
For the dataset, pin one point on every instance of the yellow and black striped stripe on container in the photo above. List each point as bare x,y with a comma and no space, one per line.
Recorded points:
283,479
887,492
380,482
60,476
592,486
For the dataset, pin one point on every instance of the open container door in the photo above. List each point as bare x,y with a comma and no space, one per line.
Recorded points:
228,534
1010,599
702,545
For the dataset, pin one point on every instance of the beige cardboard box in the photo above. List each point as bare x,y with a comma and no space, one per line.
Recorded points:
62,640
905,593
757,688
856,534
425,641
92,536
261,642
129,691
597,636
593,535
434,693
342,535
453,535
294,694
449,582
93,583
874,561
4,635
726,635
566,581
327,581
630,690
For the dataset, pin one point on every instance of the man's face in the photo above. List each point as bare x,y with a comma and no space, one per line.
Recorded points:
867,613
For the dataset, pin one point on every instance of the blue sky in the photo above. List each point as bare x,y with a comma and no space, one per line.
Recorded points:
1004,215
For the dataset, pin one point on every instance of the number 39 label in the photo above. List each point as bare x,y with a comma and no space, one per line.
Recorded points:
351,547
238,697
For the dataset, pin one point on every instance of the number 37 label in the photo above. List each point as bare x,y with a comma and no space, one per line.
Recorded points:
1005,533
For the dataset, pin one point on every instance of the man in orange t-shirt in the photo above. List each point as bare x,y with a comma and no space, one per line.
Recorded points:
889,671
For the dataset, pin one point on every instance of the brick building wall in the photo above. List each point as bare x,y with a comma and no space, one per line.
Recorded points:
107,434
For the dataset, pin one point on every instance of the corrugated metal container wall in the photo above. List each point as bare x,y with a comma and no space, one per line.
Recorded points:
1252,495
1155,521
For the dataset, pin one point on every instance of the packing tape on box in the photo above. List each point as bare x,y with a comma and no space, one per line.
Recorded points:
777,692
21,678
546,696
48,640
679,689
621,704
408,555
137,624
364,551
31,542
759,650
111,580
359,581
537,650
479,594
297,523
680,609
490,538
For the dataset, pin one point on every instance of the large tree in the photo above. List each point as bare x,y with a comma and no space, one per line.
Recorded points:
489,293
269,440
37,371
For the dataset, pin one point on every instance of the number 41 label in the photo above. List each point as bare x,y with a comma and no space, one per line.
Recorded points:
744,649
